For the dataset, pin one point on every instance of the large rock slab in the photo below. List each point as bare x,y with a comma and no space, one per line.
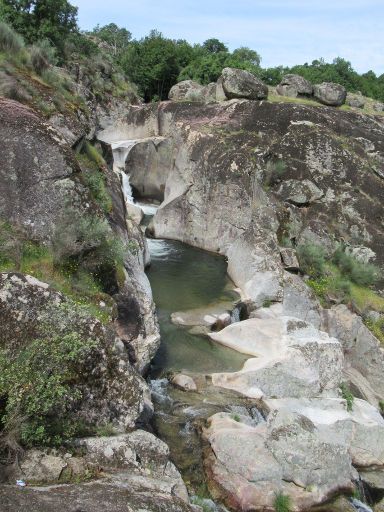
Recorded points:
238,83
306,449
290,358
330,93
363,352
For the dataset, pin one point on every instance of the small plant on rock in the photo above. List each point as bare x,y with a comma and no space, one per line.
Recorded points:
282,503
347,395
311,259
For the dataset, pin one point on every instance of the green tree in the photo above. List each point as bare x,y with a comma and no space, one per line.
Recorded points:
214,46
36,20
247,55
154,63
118,38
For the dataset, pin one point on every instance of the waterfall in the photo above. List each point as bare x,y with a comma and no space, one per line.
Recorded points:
360,506
120,152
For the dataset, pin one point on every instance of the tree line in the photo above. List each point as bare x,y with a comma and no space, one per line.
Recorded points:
155,63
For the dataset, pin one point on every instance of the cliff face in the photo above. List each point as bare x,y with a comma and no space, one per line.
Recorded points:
246,179
47,210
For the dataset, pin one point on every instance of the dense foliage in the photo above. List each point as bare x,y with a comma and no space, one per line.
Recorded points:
155,63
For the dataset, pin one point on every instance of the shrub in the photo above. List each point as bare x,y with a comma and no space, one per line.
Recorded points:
275,170
362,274
80,235
282,503
10,41
37,385
376,327
95,182
42,56
311,259
347,395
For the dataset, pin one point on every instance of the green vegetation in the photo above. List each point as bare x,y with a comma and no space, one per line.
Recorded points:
342,278
10,41
155,63
235,417
312,259
274,172
38,388
347,395
282,503
362,274
94,168
106,430
202,502
376,327
84,262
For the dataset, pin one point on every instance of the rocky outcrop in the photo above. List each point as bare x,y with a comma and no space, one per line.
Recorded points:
306,450
289,358
363,352
294,85
238,83
41,188
188,90
355,100
111,391
330,93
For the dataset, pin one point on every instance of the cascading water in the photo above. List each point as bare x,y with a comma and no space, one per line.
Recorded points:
120,152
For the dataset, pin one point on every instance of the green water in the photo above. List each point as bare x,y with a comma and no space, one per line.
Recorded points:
183,278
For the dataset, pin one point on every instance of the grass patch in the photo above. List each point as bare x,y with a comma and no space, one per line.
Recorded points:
275,98
10,41
282,503
347,395
376,327
76,277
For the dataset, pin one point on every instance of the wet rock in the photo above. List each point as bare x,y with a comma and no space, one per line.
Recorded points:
291,358
294,85
115,496
289,258
188,90
330,93
184,382
374,480
238,83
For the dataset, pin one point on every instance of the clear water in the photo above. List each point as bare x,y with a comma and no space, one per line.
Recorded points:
182,278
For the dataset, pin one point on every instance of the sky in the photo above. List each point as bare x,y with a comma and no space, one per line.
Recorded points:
283,32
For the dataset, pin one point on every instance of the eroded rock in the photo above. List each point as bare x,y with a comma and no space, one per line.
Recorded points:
238,83
330,93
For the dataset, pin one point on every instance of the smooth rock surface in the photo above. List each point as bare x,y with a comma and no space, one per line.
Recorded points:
238,83
330,93
291,358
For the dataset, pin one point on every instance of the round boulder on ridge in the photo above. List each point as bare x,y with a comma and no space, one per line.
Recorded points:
238,83
330,94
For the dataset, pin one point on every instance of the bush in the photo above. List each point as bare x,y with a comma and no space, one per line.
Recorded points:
362,274
282,503
43,55
274,172
311,259
78,236
10,41
94,180
38,388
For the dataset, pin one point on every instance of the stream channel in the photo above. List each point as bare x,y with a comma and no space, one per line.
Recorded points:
185,278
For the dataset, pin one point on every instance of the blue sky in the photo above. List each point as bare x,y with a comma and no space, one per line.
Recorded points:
282,31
